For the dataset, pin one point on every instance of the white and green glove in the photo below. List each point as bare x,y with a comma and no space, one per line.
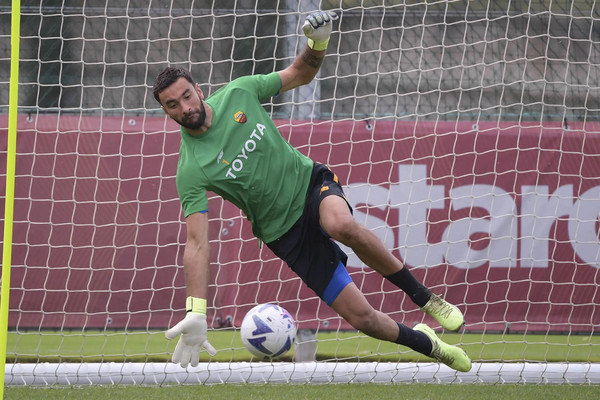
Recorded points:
193,330
317,28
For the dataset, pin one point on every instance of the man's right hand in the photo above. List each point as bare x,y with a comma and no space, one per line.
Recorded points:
193,330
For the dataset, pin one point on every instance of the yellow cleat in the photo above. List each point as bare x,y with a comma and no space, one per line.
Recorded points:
448,316
454,357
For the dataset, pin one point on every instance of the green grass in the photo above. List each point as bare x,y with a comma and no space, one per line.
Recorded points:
300,392
136,346
96,346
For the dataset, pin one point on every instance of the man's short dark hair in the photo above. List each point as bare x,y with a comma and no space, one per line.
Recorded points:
167,77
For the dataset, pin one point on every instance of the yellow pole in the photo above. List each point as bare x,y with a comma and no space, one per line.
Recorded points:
11,152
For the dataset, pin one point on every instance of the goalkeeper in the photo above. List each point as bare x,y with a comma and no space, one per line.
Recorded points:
230,146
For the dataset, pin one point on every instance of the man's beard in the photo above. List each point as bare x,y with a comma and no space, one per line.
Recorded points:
195,119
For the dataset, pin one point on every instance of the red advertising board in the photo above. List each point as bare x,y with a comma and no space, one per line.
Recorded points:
501,219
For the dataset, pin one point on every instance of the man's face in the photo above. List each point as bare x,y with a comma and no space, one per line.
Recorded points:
182,101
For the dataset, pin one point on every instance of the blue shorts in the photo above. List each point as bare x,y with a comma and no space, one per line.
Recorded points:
307,249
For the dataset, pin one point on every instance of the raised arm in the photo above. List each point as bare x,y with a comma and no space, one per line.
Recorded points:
317,29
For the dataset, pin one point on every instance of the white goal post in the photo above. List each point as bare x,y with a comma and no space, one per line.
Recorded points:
466,134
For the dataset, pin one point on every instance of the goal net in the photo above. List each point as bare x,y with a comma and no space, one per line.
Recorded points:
466,133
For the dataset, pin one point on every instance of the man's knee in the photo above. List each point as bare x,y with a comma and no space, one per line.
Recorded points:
363,320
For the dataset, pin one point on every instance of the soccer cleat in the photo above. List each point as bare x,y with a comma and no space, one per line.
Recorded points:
448,316
454,357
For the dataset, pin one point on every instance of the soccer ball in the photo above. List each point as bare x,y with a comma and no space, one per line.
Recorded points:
268,331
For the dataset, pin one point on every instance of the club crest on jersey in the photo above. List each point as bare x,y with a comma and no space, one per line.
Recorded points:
240,117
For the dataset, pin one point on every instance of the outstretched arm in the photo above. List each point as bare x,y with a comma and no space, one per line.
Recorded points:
196,265
317,29
196,255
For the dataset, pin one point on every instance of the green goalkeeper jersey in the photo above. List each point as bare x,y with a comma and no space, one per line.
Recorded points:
243,158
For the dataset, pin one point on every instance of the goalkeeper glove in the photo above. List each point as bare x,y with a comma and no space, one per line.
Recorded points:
317,28
193,330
